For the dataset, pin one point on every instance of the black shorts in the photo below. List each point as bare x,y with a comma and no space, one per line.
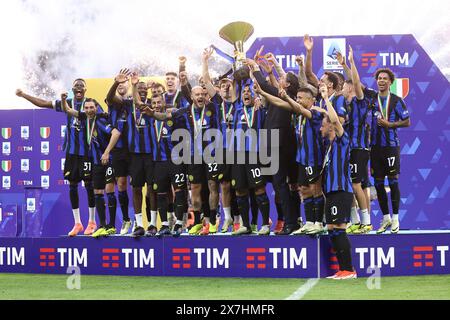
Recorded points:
121,162
308,174
196,173
101,176
224,172
359,159
141,169
77,168
338,205
165,173
246,176
384,161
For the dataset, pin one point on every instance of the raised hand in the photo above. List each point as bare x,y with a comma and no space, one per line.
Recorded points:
150,84
251,64
258,53
123,76
350,55
323,91
256,87
207,53
182,60
308,42
282,94
19,93
257,104
299,60
183,78
271,58
64,96
267,67
340,58
134,78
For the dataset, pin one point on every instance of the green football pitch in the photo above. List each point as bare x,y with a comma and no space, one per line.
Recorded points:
50,287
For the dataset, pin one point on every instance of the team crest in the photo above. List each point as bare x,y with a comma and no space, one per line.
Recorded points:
191,178
170,123
155,186
208,113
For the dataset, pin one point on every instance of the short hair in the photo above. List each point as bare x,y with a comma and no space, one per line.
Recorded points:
224,80
157,95
91,100
307,90
157,85
340,76
333,79
79,79
385,70
348,82
172,73
142,83
293,81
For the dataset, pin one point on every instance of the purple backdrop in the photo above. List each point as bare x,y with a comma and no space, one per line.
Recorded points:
424,180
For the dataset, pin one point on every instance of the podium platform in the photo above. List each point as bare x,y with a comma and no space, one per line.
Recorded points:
406,253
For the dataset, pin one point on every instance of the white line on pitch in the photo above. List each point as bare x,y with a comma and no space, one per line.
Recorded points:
304,289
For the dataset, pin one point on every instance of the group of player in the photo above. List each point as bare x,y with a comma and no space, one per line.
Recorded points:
325,130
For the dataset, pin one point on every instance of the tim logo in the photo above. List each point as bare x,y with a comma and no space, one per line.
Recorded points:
47,257
128,257
62,257
424,256
11,256
63,131
181,258
25,132
276,258
386,59
110,258
209,258
369,59
256,258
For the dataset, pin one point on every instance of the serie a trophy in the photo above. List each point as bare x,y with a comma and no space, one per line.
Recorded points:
237,33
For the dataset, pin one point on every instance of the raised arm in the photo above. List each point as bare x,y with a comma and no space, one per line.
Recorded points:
260,78
271,58
38,102
334,119
134,81
112,98
185,86
355,75
309,44
341,59
296,107
65,106
205,71
115,134
272,99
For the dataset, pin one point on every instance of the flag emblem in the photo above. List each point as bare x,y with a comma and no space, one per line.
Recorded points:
6,133
45,165
6,165
45,132
400,87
